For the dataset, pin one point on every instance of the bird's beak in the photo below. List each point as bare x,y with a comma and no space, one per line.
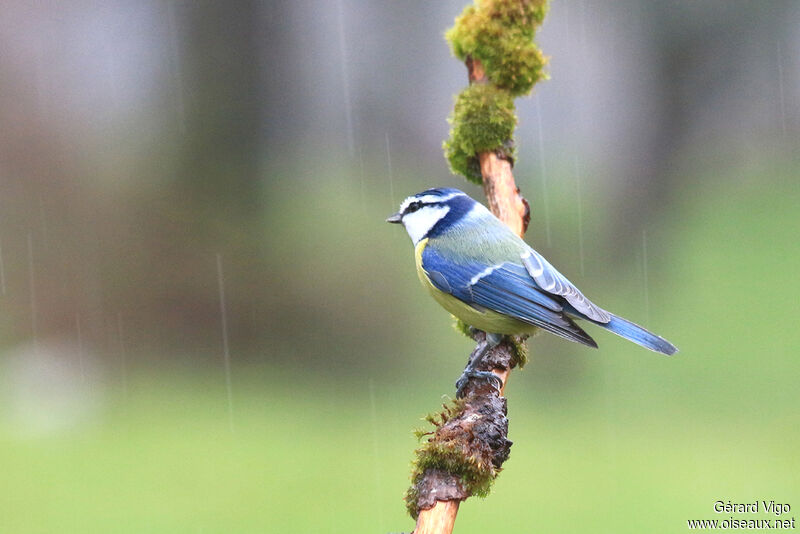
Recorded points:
397,218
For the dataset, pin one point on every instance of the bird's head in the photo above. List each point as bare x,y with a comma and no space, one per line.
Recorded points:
431,212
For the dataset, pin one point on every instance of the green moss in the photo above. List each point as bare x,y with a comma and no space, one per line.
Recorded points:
476,472
520,350
411,497
483,120
462,327
500,34
476,475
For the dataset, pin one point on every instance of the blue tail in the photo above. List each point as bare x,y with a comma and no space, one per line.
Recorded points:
637,334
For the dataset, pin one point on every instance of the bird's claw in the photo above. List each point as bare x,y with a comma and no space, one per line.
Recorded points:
492,378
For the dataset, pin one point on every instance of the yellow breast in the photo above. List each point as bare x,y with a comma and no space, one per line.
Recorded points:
482,319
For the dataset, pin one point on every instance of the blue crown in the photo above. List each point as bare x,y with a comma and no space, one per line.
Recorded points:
441,192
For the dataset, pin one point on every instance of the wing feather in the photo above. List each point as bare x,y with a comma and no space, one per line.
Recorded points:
505,288
555,283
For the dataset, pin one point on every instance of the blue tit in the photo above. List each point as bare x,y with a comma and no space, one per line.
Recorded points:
480,271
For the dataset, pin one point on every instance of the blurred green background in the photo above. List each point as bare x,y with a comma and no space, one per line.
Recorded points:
165,166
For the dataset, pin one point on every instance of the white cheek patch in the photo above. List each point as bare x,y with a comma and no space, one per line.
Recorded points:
420,222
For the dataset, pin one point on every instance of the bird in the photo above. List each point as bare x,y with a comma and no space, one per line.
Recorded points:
484,274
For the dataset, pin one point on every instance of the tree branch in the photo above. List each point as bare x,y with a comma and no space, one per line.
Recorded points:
499,187
480,430
470,442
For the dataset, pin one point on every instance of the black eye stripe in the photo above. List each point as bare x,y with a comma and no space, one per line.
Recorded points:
414,206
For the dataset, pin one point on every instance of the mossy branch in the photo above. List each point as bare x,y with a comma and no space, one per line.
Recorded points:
468,444
483,120
499,33
494,37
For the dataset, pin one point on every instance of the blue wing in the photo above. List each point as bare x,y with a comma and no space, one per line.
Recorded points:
505,288
553,282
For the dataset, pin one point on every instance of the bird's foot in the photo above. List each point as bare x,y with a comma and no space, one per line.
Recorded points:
489,376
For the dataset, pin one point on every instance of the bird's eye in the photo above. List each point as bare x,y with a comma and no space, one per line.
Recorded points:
414,206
